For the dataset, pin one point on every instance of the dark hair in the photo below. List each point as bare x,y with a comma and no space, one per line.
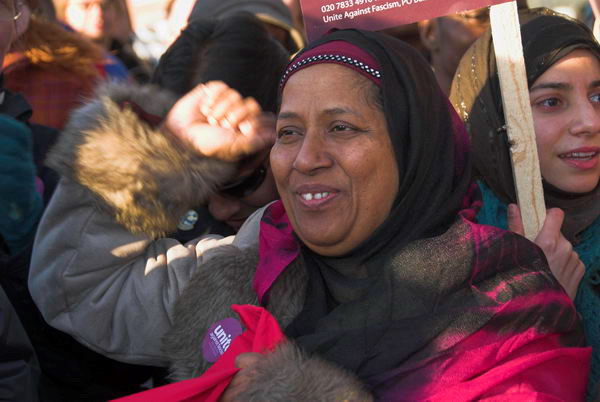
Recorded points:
237,50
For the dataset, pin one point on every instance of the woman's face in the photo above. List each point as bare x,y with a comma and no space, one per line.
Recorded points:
333,160
92,18
565,101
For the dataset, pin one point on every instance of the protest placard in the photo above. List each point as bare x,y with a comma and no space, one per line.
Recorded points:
322,15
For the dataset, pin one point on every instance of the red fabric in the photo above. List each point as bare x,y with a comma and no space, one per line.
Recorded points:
277,248
526,348
262,334
527,367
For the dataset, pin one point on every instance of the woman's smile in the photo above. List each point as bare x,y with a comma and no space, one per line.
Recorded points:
582,158
316,196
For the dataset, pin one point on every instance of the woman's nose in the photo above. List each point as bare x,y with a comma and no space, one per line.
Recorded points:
313,154
587,119
223,208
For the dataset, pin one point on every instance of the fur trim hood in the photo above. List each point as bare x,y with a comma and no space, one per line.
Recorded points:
143,176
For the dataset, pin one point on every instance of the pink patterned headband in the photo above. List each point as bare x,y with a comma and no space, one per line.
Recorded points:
337,52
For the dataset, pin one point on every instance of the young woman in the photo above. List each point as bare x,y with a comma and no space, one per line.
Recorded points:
563,71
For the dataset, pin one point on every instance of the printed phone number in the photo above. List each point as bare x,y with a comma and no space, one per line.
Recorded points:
340,5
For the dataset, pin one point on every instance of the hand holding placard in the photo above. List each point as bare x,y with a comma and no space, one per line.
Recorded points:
517,114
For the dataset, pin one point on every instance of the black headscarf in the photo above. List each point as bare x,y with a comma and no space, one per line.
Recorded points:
272,12
547,37
349,306
224,49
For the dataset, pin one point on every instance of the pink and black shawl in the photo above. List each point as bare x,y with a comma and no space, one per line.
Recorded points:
432,306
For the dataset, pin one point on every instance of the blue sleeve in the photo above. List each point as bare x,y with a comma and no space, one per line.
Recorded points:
20,203
115,69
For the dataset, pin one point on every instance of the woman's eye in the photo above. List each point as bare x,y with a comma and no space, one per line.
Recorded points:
595,98
342,127
549,103
286,132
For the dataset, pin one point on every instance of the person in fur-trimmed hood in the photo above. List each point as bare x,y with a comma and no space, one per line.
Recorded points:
91,276
371,262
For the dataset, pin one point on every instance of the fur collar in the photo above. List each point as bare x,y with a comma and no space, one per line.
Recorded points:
145,177
224,280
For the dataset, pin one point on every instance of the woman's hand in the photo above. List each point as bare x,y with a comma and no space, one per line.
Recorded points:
219,123
564,262
245,376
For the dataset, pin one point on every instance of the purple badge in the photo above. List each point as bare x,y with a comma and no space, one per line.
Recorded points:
219,337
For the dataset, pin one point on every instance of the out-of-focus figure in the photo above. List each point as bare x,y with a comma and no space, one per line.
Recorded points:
100,21
273,13
53,69
296,10
448,38
151,41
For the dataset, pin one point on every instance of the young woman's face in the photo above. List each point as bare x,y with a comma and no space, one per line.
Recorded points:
565,101
333,160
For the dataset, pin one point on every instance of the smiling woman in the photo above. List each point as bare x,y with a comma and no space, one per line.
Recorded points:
371,263
562,60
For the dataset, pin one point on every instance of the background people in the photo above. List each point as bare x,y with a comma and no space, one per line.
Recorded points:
151,41
99,20
274,14
53,69
447,38
69,371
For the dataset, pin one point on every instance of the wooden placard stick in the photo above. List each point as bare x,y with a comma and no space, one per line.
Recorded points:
506,34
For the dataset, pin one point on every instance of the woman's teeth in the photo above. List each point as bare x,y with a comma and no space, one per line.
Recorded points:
578,155
315,196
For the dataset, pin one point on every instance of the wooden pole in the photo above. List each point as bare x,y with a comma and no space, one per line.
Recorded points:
506,34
